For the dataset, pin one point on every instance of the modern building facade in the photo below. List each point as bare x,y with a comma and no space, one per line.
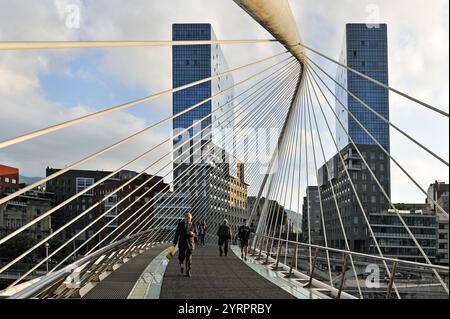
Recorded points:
333,173
203,168
9,179
193,63
442,239
238,197
393,238
365,49
439,192
67,185
124,211
311,210
22,210
274,213
204,192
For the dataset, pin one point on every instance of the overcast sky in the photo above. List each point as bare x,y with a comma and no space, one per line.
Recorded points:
39,88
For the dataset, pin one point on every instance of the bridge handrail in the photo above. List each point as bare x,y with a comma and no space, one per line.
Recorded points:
349,252
51,278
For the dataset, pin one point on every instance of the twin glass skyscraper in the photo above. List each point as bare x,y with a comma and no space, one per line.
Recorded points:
205,171
365,50
192,63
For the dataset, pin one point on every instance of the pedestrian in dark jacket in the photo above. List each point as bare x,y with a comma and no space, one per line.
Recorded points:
225,235
244,235
185,235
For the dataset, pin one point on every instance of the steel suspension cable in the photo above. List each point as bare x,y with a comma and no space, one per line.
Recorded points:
181,176
315,65
148,180
30,45
333,192
380,146
348,177
387,87
69,167
381,187
85,118
186,182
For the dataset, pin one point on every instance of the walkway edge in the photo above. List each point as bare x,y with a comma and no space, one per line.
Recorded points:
275,278
148,286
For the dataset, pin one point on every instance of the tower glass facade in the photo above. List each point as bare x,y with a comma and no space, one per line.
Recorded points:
202,181
193,63
365,50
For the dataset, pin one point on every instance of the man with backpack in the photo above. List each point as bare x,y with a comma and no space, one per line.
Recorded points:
244,235
225,235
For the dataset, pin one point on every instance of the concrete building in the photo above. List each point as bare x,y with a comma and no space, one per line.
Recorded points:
439,192
295,221
274,212
369,193
442,239
121,203
9,179
311,209
238,197
66,186
393,238
25,208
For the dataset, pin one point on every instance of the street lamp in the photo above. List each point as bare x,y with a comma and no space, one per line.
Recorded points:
47,245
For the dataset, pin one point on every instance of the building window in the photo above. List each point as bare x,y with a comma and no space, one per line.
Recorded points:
82,183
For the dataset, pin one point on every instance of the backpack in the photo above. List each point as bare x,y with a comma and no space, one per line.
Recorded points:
244,233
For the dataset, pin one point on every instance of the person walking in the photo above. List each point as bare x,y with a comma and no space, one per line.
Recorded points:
244,235
202,233
225,235
185,235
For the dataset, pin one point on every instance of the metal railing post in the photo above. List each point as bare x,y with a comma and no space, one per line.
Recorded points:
344,270
391,280
309,285
278,257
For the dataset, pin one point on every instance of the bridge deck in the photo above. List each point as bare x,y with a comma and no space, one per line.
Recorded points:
215,277
119,284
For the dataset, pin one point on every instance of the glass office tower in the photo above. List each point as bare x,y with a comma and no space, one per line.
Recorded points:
365,50
202,181
192,63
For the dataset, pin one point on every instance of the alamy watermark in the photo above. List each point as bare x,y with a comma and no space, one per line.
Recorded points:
248,145
70,14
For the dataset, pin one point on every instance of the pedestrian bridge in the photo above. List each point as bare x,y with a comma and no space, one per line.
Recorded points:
150,275
289,94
